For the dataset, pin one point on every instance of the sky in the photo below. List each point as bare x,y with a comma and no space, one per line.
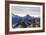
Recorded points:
20,10
33,9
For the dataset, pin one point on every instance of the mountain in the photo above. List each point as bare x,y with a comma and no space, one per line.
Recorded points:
18,20
15,18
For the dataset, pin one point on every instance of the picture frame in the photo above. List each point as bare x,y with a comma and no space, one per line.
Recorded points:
15,4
